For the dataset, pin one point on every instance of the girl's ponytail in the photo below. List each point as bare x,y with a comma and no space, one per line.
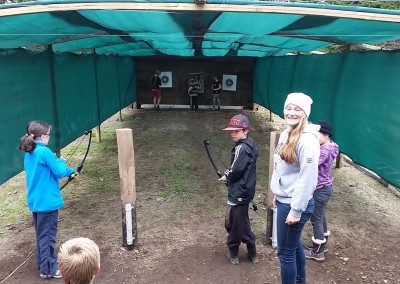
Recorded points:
34,129
27,143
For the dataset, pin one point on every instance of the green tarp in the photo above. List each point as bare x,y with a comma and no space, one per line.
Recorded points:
183,28
86,91
357,92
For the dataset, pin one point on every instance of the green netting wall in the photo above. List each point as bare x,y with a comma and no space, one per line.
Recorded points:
73,93
358,92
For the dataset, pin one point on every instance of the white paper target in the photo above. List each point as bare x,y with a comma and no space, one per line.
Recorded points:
229,82
166,79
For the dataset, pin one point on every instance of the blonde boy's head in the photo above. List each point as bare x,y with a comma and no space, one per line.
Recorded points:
79,260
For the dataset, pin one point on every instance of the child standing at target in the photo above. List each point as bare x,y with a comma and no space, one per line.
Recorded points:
43,169
241,181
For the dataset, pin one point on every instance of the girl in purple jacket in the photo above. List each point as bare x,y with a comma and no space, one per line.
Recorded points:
322,194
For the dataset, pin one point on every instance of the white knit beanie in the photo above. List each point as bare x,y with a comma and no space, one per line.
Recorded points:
301,100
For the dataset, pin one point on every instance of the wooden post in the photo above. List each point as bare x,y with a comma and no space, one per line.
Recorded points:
270,196
271,116
272,145
339,161
126,161
98,134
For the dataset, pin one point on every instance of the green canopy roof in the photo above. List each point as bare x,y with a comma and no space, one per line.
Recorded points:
183,28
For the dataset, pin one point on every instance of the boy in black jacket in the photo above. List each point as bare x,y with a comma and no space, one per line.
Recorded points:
241,182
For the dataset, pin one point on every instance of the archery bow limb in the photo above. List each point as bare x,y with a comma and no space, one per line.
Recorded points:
206,144
80,166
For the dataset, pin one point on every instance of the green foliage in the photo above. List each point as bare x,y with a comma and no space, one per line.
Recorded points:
393,5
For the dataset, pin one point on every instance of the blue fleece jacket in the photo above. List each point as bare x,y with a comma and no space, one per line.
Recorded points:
43,169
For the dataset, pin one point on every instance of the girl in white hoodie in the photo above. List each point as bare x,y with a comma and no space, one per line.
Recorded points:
293,182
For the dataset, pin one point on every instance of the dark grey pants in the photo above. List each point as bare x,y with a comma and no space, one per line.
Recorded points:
318,219
237,224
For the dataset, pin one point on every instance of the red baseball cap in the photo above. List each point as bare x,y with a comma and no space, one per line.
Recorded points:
239,121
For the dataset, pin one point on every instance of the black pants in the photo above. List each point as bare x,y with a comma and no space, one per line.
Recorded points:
237,224
193,103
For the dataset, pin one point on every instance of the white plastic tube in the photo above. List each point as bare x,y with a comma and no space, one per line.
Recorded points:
274,237
128,220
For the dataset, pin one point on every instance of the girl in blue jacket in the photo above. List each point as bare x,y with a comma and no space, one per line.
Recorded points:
43,169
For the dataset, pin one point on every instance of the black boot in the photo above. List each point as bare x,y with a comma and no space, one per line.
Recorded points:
317,251
252,253
310,244
232,253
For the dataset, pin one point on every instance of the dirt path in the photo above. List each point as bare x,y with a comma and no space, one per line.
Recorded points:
181,210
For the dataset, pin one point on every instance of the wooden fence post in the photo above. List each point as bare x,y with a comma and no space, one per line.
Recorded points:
98,134
270,196
126,161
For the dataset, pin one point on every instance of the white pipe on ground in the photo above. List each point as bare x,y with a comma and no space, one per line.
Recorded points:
128,220
274,237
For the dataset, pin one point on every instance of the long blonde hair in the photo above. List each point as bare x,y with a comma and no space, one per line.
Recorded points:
288,151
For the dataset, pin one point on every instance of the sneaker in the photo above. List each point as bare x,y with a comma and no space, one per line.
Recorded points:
45,276
56,275
318,257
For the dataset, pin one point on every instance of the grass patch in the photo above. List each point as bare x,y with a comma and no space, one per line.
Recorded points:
13,207
178,177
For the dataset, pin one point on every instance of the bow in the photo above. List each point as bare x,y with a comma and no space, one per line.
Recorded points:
206,143
80,166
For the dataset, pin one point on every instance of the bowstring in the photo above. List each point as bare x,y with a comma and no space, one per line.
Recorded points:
74,147
218,155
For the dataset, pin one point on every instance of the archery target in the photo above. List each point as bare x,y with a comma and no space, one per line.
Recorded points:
229,82
166,79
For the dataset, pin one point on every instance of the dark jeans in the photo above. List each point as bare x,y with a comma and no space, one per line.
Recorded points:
46,232
290,248
193,103
318,218
237,224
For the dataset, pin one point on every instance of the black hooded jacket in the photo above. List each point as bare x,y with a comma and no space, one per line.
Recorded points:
241,177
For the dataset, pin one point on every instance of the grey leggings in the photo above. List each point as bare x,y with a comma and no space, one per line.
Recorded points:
318,219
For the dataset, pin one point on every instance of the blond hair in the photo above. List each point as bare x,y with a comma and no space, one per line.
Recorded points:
79,260
288,151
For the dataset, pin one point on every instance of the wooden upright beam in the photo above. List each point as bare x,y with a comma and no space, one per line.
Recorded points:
126,161
272,145
270,196
98,134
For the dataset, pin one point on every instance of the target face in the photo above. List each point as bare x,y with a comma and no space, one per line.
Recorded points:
166,79
229,83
